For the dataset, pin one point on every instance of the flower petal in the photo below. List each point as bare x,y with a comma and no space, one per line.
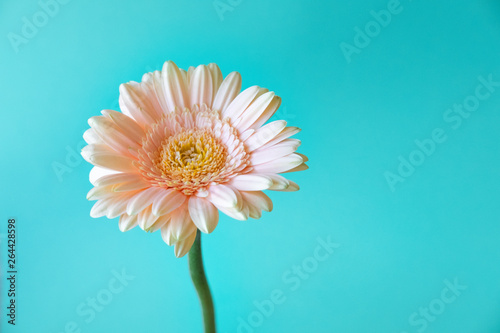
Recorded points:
126,125
180,225
216,75
111,135
290,188
257,201
182,247
255,110
101,155
203,213
134,102
142,200
159,223
282,164
200,86
272,153
96,173
265,134
224,196
166,201
300,167
145,219
127,222
240,103
285,133
174,86
251,182
228,90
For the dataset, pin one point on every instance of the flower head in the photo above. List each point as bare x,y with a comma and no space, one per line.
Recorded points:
188,145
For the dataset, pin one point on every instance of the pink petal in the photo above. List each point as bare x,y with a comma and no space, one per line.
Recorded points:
272,153
134,103
203,213
251,182
166,201
216,75
224,195
228,90
174,86
285,133
264,134
180,225
240,103
141,200
126,125
145,219
254,111
182,247
282,164
101,155
127,222
300,167
96,173
257,201
200,86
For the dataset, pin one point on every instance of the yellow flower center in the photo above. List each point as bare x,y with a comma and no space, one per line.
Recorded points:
191,157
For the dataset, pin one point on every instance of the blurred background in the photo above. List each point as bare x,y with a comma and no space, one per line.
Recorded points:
395,228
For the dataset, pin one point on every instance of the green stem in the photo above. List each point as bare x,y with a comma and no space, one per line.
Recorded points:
200,283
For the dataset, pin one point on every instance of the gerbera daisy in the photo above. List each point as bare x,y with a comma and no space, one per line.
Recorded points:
188,145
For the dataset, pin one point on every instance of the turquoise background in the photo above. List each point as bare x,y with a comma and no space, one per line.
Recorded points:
395,248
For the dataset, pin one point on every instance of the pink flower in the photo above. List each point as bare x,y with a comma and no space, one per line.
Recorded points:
188,145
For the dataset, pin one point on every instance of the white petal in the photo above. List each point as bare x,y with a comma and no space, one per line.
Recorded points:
290,188
200,86
134,103
279,182
228,90
182,247
254,111
118,178
285,133
265,134
267,113
101,155
281,149
240,103
251,182
167,201
257,200
141,200
216,75
96,173
224,195
203,213
180,225
145,219
174,86
282,164
159,223
234,213
126,124
91,137
300,167
127,222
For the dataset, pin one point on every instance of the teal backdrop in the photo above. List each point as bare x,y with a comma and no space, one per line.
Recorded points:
396,227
